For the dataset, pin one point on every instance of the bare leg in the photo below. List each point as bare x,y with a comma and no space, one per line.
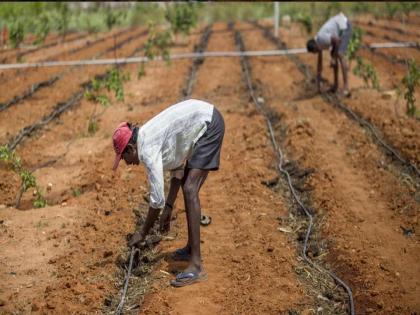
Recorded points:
335,68
191,189
344,69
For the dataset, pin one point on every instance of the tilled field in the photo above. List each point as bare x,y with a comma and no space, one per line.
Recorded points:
65,258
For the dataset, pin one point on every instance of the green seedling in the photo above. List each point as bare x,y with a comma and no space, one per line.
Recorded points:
92,127
42,29
410,82
182,17
76,192
16,33
28,180
306,21
40,201
355,43
367,72
157,44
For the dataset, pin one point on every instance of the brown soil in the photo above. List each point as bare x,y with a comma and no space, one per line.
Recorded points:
386,109
62,258
355,194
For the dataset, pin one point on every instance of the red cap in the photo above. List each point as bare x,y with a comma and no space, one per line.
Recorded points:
120,138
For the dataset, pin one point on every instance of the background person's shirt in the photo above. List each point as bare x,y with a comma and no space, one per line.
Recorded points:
166,141
333,27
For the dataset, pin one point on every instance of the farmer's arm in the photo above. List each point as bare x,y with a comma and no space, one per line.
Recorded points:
165,219
157,198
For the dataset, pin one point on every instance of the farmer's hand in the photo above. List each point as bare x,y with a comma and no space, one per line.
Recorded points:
136,240
165,220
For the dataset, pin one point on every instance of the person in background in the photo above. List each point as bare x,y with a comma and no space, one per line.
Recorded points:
334,34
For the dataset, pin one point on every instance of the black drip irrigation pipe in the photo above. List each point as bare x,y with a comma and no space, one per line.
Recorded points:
330,98
388,38
34,87
247,76
387,28
63,106
390,58
200,48
49,82
120,306
58,42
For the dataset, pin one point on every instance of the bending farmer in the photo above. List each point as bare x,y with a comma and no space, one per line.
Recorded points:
335,33
191,133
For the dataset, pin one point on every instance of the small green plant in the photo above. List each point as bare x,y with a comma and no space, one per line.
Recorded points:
62,18
391,9
114,82
92,126
76,192
354,44
42,29
410,82
112,17
157,44
367,72
16,33
40,201
182,17
306,21
28,180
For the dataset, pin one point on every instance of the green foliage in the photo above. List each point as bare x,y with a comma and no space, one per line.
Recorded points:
182,17
62,17
28,180
410,82
113,81
92,126
407,7
10,157
112,17
367,72
146,13
391,9
42,28
355,43
76,192
39,201
306,21
16,33
157,44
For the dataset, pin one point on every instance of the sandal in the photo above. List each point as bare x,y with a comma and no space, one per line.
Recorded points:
181,254
186,278
205,220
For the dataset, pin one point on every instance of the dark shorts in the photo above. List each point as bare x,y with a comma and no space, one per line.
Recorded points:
206,152
345,39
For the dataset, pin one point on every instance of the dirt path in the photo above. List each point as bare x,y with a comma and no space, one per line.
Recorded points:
249,263
95,203
50,44
352,193
34,108
385,109
19,81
